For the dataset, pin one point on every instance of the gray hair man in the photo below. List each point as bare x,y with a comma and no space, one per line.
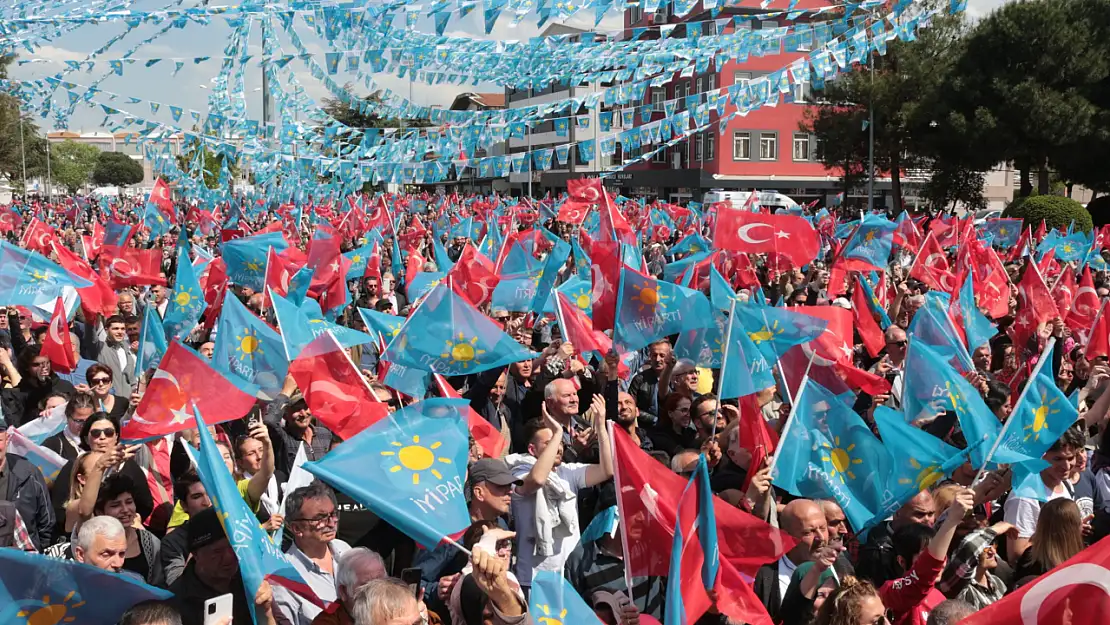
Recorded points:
313,519
386,601
101,542
353,570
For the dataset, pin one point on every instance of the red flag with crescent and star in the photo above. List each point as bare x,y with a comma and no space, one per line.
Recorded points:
333,388
185,379
161,198
761,233
1085,305
57,345
98,299
1076,592
133,267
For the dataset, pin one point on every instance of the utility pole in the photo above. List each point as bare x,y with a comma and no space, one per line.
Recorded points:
871,135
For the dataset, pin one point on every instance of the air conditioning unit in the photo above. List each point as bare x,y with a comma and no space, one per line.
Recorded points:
676,160
659,17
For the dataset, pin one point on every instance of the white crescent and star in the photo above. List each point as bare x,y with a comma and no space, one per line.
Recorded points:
1083,573
1081,306
591,194
121,268
745,232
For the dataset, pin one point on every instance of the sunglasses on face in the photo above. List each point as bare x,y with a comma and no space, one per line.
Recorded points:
105,432
898,343
99,381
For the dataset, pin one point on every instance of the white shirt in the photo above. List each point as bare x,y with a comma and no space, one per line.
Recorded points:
785,570
121,354
1022,512
524,517
294,608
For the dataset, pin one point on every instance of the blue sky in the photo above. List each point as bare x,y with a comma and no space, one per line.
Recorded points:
188,88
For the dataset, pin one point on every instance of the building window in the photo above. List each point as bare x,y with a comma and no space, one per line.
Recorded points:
801,146
801,92
658,96
741,146
699,147
768,146
660,156
768,25
635,15
741,78
700,85
710,145
712,82
680,95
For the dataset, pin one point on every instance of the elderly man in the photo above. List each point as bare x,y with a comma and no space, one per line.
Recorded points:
101,542
876,557
353,570
644,386
386,601
804,520
312,521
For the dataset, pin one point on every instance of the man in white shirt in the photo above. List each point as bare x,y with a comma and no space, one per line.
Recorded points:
114,354
1022,512
546,542
313,519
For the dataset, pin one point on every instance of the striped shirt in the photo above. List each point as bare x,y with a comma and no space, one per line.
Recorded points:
591,568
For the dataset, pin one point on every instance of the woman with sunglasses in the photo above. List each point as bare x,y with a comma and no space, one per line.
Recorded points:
100,382
100,433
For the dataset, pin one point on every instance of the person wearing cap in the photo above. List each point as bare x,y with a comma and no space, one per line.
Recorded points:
291,423
489,488
213,571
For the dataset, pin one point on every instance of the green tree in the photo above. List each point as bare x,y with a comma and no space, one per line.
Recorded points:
1021,89
17,151
117,169
951,184
355,118
217,170
900,92
72,164
841,143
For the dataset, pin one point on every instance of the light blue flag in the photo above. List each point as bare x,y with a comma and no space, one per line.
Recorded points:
246,258
35,588
447,335
828,452
649,309
29,279
423,282
300,326
582,260
1041,415
556,260
744,368
1027,482
704,346
776,330
259,558
674,271
577,291
152,341
692,243
721,294
515,293
408,469
553,600
358,258
869,247
873,302
933,326
918,459
249,348
977,327
385,325
298,285
443,261
187,300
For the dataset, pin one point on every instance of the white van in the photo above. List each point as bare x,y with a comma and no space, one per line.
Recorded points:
739,199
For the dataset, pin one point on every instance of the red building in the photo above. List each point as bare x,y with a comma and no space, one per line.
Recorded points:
763,150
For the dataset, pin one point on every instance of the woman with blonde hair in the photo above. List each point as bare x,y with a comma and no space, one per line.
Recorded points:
855,602
77,480
1058,537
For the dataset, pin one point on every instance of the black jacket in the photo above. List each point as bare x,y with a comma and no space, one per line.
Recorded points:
766,585
27,490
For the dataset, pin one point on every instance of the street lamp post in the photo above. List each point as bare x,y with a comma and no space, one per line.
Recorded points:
871,136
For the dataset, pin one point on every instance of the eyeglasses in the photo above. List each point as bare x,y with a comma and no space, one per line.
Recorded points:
99,381
901,343
321,521
38,364
105,432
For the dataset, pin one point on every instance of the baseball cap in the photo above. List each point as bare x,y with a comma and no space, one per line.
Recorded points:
205,528
491,470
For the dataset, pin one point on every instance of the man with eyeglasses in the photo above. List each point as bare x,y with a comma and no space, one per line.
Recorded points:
891,364
312,520
39,381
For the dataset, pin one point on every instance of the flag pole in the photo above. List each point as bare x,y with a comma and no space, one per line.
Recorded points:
724,362
1025,391
622,527
785,431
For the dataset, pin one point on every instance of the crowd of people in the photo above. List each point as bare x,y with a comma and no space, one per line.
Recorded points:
549,501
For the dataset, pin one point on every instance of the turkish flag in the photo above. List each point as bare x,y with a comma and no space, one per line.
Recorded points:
38,236
1076,592
761,233
493,444
578,329
753,436
574,212
474,276
835,343
1034,295
161,197
185,379
57,345
98,299
279,272
1064,291
133,267
333,388
1084,306
215,285
866,324
9,219
605,274
1098,344
377,216
374,264
931,266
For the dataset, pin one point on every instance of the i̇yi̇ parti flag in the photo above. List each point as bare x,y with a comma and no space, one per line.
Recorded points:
648,309
187,299
249,348
553,600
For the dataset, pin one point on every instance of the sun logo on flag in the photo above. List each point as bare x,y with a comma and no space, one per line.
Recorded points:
461,350
1003,231
254,265
394,330
184,298
1040,418
841,459
869,236
547,619
927,475
247,344
766,333
416,458
647,296
356,259
39,276
52,613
